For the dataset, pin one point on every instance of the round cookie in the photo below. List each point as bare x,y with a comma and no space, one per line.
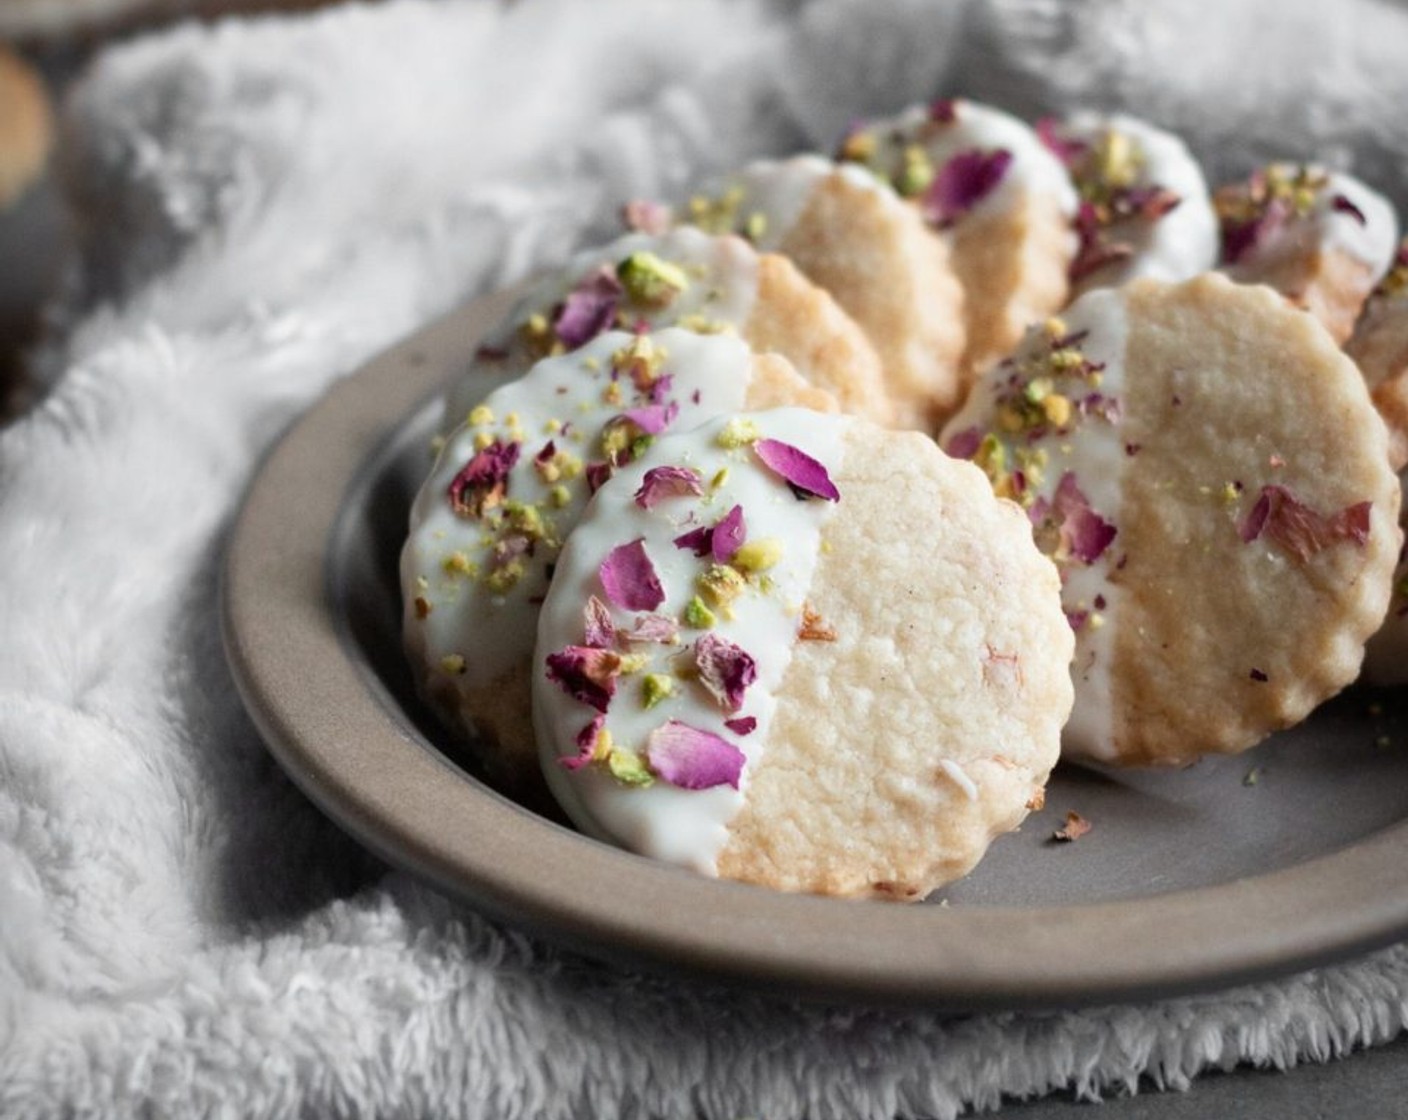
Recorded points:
1320,238
1144,205
691,279
833,663
1004,203
1386,655
509,486
1208,473
851,234
1379,346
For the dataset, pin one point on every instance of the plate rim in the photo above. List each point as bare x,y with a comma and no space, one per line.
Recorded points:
309,698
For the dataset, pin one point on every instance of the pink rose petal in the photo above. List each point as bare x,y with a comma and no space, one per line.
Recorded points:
1241,239
586,741
660,483
600,630
1085,535
589,308
646,216
1067,149
690,758
725,669
653,419
728,535
699,541
658,628
943,111
799,470
597,474
964,444
585,674
1299,529
482,482
629,578
742,725
962,183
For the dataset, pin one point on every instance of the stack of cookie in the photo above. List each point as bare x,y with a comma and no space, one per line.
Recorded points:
692,559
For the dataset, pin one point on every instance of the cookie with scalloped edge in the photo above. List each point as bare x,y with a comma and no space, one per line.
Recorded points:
508,487
851,234
684,278
1001,200
1321,238
805,652
1206,469
1144,204
1379,346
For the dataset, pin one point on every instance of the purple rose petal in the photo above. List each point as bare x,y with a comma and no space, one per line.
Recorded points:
728,535
690,758
798,469
586,741
660,483
699,541
1067,149
585,674
597,474
629,578
964,444
1342,205
725,669
1084,533
962,183
742,725
653,419
589,308
482,483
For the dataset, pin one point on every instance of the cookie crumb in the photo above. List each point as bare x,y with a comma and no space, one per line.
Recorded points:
1075,827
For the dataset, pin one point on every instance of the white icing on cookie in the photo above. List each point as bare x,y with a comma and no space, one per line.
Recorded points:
459,605
953,128
718,297
1369,235
1127,152
1029,453
661,820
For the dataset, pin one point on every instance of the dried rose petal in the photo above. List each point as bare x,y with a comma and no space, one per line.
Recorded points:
586,741
658,628
1085,535
653,418
798,469
482,483
657,389
545,456
509,548
962,183
1342,205
943,111
742,725
699,541
668,482
585,674
600,630
690,758
728,535
629,578
964,444
1152,202
725,669
597,474
1075,827
1077,619
1297,528
1067,149
1240,239
589,308
646,216
1097,254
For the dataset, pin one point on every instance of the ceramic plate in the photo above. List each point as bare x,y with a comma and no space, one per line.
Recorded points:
1237,868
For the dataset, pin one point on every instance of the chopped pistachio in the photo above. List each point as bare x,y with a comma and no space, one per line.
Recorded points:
702,324
858,146
720,477
612,393
756,226
458,563
481,414
452,663
698,616
632,662
502,580
650,280
757,555
738,432
1057,409
628,768
482,440
721,584
560,496
916,172
656,687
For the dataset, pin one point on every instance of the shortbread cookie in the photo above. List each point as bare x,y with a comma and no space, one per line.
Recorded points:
691,279
508,488
1144,204
1321,238
851,234
1004,203
805,652
1386,656
1207,471
1379,346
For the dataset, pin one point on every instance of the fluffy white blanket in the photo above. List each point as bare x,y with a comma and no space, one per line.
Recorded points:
265,205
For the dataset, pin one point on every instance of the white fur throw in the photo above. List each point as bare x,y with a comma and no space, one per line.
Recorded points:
266,204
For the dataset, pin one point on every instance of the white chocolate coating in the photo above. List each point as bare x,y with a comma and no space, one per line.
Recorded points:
1091,449
1181,243
721,294
447,556
687,827
1372,241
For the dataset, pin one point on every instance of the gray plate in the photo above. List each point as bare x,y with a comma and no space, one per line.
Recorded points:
1237,868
